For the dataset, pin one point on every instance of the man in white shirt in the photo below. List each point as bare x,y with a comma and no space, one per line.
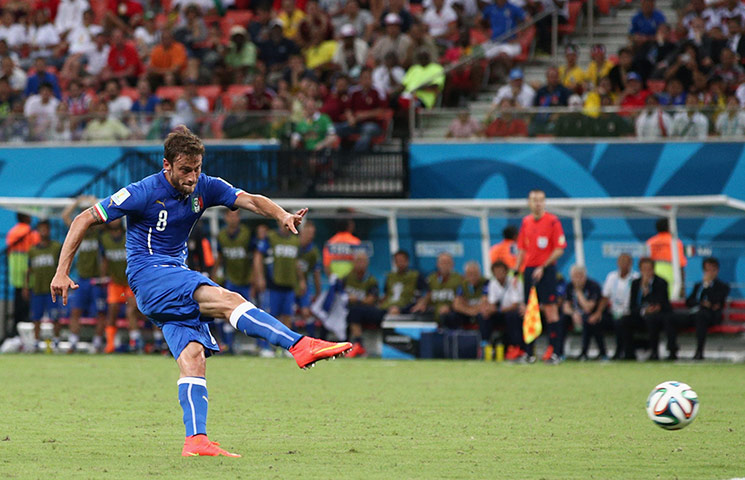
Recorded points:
616,298
691,124
99,56
190,107
70,15
503,303
117,104
43,37
517,90
731,122
441,20
653,123
15,74
387,76
40,110
81,35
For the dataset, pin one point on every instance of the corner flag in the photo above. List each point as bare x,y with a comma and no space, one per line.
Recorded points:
532,319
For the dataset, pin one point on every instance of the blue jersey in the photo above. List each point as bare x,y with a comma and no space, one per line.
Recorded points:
160,218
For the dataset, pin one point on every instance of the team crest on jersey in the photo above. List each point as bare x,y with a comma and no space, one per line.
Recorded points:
197,204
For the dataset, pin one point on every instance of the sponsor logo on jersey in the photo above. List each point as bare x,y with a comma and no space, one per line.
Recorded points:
161,202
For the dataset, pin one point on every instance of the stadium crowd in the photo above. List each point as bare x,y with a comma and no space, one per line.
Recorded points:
325,74
283,273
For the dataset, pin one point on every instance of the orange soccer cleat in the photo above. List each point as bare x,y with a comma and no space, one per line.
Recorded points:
200,445
357,351
513,353
307,351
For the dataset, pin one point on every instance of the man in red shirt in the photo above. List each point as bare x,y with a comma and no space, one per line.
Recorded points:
124,61
540,243
367,108
635,96
261,97
124,14
336,104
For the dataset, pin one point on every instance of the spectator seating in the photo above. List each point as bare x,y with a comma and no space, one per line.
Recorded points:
170,92
211,93
575,8
232,18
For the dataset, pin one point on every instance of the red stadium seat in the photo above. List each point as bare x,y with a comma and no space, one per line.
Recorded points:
235,17
130,92
171,93
656,86
604,6
211,92
525,38
232,92
574,10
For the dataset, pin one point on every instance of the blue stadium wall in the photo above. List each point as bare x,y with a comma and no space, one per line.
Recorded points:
630,168
481,170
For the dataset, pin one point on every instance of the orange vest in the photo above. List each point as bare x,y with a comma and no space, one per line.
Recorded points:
504,251
20,238
659,249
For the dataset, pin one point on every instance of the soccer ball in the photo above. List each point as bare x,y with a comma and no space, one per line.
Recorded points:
672,405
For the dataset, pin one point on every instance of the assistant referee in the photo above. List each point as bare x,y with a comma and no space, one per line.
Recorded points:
540,243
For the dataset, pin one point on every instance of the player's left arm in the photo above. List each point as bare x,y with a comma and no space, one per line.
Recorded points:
262,205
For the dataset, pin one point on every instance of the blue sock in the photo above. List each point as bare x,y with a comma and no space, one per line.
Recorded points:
192,395
257,323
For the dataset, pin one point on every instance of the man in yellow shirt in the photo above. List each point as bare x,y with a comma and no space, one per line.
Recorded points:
571,75
290,18
425,79
320,52
599,66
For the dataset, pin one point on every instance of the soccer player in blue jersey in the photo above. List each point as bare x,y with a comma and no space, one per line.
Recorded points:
161,210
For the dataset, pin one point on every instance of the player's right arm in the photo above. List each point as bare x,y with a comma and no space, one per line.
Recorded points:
62,282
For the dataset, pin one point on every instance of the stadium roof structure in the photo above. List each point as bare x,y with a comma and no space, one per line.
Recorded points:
577,209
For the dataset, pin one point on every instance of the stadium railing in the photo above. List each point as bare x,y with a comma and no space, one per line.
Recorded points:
277,171
562,122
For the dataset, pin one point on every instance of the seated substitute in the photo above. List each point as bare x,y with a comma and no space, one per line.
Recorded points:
705,305
503,304
466,309
581,304
362,292
441,287
402,286
650,308
617,297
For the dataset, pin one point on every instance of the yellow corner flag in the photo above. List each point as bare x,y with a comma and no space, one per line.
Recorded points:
532,320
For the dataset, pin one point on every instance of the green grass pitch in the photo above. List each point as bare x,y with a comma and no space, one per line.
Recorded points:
118,417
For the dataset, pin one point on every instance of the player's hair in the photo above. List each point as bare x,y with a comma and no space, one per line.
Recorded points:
402,252
536,190
509,232
662,225
23,218
710,261
499,264
644,260
43,223
182,142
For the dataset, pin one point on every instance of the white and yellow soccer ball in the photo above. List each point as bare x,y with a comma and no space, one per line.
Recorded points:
672,405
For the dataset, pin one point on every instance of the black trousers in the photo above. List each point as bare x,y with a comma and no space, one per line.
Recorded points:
701,319
20,312
653,323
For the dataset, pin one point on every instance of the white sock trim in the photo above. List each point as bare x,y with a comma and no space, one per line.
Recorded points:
239,311
193,381
191,404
